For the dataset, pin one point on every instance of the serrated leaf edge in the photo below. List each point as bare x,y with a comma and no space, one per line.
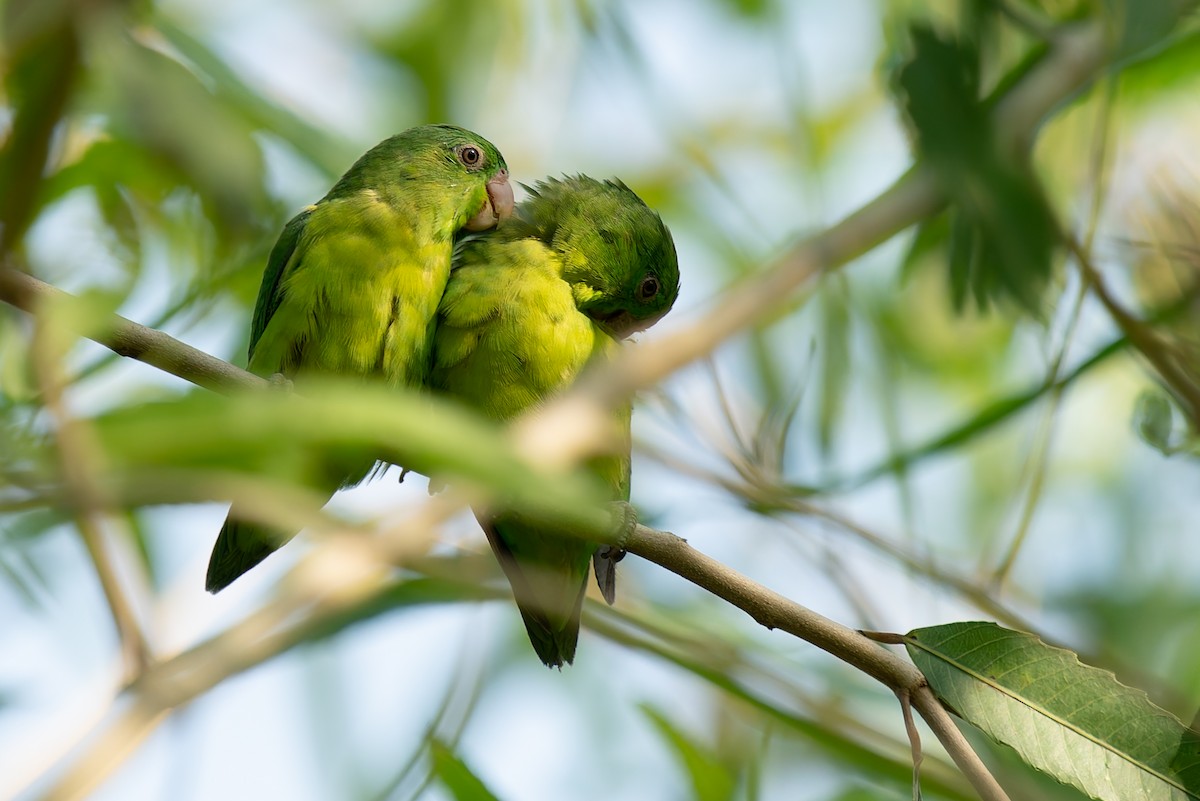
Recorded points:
913,642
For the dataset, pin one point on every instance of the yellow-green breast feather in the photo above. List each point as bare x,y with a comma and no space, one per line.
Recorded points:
528,307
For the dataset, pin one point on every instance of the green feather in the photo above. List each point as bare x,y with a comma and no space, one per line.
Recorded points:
352,287
528,307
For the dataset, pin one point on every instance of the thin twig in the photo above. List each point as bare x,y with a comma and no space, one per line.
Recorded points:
774,611
341,574
79,463
1040,457
914,740
574,425
956,745
1161,355
564,431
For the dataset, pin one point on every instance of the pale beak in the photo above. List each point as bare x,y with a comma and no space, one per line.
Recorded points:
622,325
498,206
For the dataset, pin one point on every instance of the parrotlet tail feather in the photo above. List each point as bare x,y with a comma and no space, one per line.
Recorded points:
553,635
239,547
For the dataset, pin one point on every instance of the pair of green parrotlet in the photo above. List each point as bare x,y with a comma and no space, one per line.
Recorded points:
415,271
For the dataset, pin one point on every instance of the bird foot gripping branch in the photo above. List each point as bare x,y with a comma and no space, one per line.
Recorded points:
282,382
604,560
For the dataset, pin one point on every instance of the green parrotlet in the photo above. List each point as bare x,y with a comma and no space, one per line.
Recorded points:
530,304
352,286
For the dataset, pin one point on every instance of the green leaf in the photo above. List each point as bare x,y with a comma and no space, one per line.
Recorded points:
1003,231
1175,66
162,105
1152,420
441,41
711,779
1074,722
835,362
932,236
456,776
1143,25
295,437
327,151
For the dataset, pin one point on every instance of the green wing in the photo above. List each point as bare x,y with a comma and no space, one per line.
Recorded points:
269,294
240,546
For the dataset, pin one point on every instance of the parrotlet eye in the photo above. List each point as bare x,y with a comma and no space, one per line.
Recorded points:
648,288
470,156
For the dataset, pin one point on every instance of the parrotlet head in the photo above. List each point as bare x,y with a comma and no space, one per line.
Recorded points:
618,255
438,162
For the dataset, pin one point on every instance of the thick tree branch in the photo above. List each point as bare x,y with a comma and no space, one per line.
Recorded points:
770,609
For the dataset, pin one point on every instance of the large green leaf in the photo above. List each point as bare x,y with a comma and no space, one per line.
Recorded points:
1072,721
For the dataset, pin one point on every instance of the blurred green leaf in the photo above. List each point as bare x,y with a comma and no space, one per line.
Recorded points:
440,41
1152,420
1176,65
1144,24
438,580
16,377
835,361
1075,722
932,236
21,573
711,779
328,152
751,9
1003,232
456,776
41,59
297,438
163,106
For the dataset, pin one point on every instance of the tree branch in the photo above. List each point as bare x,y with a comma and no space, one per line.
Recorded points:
134,341
563,431
79,458
569,428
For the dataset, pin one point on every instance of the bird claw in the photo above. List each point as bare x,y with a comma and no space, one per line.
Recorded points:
605,559
281,381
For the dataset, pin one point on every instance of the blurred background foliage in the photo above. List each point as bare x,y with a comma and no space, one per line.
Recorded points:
953,427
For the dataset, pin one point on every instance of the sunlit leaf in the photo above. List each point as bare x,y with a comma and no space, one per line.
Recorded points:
1075,722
